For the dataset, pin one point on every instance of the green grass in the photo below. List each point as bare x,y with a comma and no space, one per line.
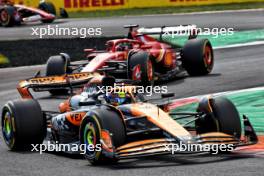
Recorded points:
166,10
238,37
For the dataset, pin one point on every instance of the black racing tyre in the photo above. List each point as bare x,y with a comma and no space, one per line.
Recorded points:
49,8
141,68
198,57
64,13
23,124
7,16
221,116
57,66
103,118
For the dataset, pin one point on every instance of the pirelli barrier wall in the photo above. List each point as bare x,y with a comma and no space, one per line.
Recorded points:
92,5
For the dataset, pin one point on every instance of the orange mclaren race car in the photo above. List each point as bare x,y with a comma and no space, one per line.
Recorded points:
118,124
142,58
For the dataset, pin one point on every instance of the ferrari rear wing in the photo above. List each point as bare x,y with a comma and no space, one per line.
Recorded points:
190,30
53,82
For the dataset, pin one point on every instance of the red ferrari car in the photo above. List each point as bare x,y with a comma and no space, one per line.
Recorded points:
142,58
15,14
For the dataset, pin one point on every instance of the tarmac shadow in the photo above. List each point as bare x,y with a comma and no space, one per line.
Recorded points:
175,160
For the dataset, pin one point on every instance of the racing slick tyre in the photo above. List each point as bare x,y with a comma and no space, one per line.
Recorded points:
23,124
92,131
8,16
140,68
198,57
221,115
49,8
57,66
64,13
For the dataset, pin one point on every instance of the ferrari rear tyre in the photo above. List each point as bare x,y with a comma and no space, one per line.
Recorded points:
23,124
49,8
57,66
198,57
7,16
64,13
103,118
221,116
140,68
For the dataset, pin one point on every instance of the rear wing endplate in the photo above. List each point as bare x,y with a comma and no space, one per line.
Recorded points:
53,82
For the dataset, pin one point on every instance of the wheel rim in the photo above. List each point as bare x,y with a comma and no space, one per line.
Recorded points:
4,16
208,59
150,70
136,74
89,138
7,129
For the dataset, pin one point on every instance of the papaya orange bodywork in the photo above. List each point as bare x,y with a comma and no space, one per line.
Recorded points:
75,117
160,118
64,80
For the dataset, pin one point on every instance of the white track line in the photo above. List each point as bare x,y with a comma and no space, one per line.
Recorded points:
224,93
241,45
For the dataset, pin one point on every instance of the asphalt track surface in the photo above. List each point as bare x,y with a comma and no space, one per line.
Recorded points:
113,26
235,69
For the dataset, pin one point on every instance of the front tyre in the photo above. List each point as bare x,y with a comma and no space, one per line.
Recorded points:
23,124
140,68
221,116
91,134
198,57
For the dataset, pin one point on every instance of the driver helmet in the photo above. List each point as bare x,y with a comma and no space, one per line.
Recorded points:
75,100
117,99
123,47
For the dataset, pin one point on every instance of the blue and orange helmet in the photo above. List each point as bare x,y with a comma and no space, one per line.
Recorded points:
118,98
